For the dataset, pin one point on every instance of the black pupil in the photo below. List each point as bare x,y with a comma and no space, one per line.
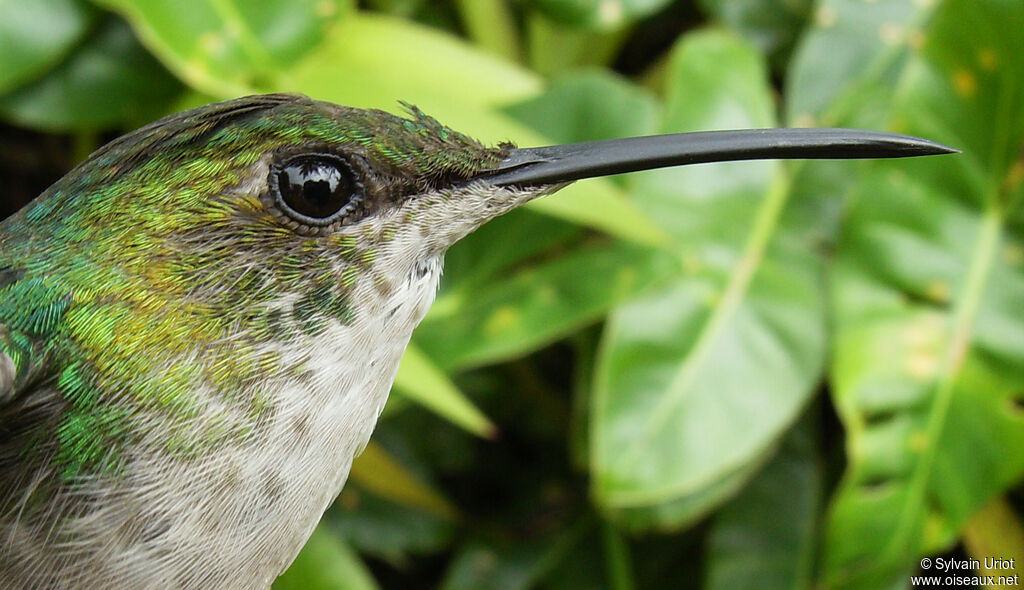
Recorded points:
316,187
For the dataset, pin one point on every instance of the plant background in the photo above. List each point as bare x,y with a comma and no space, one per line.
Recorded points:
761,374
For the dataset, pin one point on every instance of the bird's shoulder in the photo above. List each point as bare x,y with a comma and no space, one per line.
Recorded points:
31,312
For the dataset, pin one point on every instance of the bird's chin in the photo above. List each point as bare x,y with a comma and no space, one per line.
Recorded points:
450,215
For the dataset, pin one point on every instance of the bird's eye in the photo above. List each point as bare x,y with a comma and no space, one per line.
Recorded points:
316,189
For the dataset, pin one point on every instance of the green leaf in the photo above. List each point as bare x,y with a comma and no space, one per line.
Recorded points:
583,568
599,14
851,55
929,307
697,381
375,470
491,24
35,36
556,48
326,563
373,60
765,537
109,81
491,252
526,310
589,105
996,531
771,25
420,380
513,566
225,47
393,532
677,513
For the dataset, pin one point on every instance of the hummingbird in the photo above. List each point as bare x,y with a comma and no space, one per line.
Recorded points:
200,323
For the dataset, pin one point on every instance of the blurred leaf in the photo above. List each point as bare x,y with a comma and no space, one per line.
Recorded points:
765,537
36,35
375,470
843,73
490,23
599,14
852,53
675,514
771,25
326,563
421,380
486,568
403,8
589,105
373,61
996,531
929,307
491,252
584,345
597,204
696,382
385,530
554,48
109,81
227,48
516,314
501,566
583,568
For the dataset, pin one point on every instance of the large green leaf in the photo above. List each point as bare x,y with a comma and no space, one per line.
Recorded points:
851,54
326,563
537,305
556,48
34,36
929,307
110,80
771,25
491,252
588,105
765,537
491,24
227,47
373,60
697,381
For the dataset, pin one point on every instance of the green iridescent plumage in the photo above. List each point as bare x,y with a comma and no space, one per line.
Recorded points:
124,285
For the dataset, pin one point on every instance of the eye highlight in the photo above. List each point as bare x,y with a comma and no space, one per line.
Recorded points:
315,190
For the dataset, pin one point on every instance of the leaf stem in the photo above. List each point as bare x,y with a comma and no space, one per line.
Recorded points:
982,261
616,550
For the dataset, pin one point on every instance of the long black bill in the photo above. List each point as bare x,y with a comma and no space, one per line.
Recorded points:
573,161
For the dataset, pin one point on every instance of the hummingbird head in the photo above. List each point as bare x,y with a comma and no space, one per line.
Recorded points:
197,257
266,172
